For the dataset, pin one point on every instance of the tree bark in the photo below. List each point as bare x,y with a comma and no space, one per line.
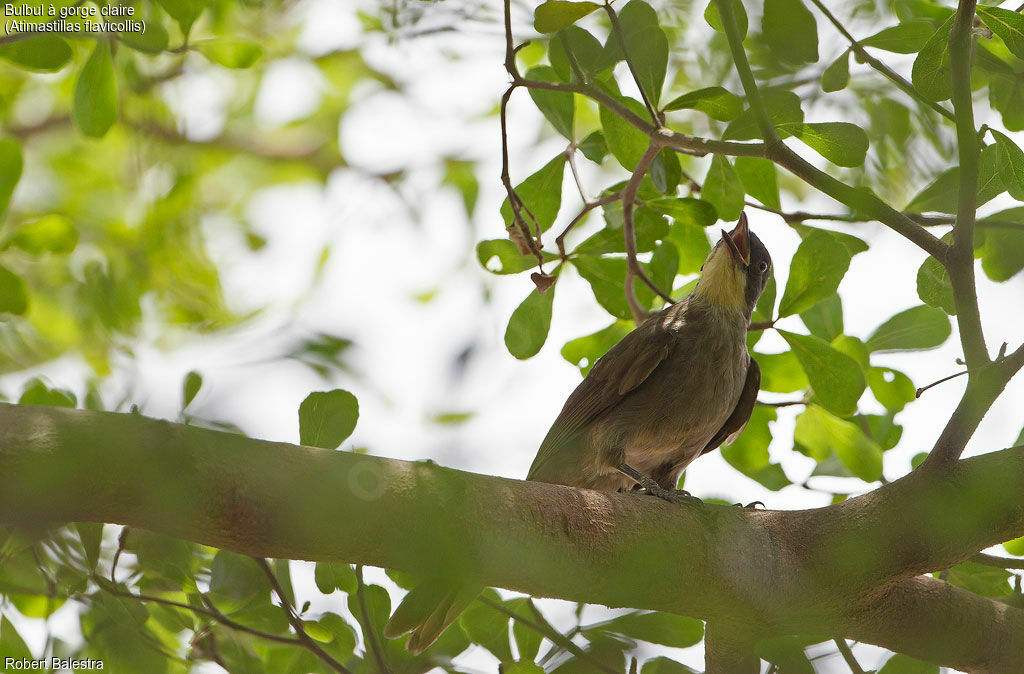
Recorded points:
850,569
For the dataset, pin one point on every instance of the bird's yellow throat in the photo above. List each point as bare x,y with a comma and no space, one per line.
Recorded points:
722,282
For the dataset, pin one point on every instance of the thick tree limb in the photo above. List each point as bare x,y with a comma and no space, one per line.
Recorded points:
846,570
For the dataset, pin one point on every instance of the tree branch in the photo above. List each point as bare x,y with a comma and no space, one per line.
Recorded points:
787,572
633,268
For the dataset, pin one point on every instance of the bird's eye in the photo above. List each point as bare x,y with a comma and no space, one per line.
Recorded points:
762,267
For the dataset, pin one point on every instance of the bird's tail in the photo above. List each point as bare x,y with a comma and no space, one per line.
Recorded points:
427,611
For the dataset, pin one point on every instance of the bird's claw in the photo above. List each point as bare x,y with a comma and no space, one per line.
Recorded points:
751,506
673,495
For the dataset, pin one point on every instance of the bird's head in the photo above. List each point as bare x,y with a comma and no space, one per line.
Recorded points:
736,272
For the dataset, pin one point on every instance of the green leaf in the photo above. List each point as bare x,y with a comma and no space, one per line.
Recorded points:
990,179
940,195
1002,253
501,256
13,293
819,433
841,143
554,15
230,52
817,268
916,328
326,418
749,452
904,664
527,638
646,45
50,233
693,246
837,75
649,227
1016,546
10,170
854,348
663,665
556,106
331,576
542,195
662,271
783,108
759,179
836,379
723,189
606,276
41,53
851,243
488,627
193,382
1008,25
378,607
586,50
184,12
931,74
987,581
715,102
1010,165
903,38
933,285
594,147
236,581
153,40
528,326
626,142
825,319
665,171
522,666
781,372
686,210
654,627
714,20
95,103
790,30
12,646
890,387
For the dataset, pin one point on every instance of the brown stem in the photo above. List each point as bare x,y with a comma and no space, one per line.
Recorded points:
633,269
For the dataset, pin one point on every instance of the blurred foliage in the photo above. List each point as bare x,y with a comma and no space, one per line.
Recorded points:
104,187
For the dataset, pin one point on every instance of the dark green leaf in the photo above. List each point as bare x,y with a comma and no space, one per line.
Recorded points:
95,104
904,664
825,319
759,180
715,102
790,30
235,581
783,108
10,170
522,666
556,106
1002,253
882,429
940,195
50,233
326,418
662,270
931,74
836,378
527,638
605,276
12,646
528,326
933,285
594,147
38,393
749,452
990,178
42,53
230,52
646,45
343,637
586,50
851,243
500,256
914,329
663,665
654,627
542,195
13,293
841,143
820,433
665,171
837,75
903,38
626,142
193,382
488,627
554,15
649,227
378,607
1010,165
781,372
817,268
1008,25
583,352
91,535
152,40
714,20
723,189
331,576
987,581
686,210
692,244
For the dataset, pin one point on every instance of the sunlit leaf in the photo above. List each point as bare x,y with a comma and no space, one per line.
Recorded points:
723,189
916,328
836,379
554,15
820,433
890,387
817,268
556,106
230,52
931,74
326,418
715,102
903,38
13,292
1008,25
842,143
837,75
825,319
43,53
528,326
760,180
626,142
541,193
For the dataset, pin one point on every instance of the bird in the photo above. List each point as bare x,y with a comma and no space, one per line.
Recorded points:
678,386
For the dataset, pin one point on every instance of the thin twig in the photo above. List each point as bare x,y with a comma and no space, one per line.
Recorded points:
633,268
369,636
844,650
917,394
296,622
785,403
587,207
995,560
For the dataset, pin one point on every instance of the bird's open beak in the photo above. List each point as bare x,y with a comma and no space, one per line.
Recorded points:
738,241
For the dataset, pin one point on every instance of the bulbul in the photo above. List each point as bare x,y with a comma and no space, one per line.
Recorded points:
679,385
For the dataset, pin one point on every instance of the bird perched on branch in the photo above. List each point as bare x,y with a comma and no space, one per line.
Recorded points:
679,385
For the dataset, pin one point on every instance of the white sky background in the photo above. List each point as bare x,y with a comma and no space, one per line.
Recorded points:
405,349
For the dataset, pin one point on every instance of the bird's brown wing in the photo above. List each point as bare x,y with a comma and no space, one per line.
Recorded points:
625,367
737,421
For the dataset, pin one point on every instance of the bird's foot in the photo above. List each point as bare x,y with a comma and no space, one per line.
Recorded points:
673,495
751,506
